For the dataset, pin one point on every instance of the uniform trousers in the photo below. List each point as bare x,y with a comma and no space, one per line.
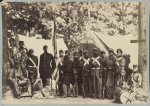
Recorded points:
97,82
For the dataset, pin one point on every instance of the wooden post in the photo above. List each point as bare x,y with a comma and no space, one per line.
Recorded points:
5,49
142,45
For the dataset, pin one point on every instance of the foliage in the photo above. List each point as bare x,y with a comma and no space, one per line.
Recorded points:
72,18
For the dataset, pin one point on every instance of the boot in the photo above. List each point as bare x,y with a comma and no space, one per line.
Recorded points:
68,91
64,91
73,89
76,89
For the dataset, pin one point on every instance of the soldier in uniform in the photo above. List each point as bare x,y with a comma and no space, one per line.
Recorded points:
12,50
24,58
136,78
96,73
47,66
67,74
104,57
75,81
17,79
86,75
120,72
60,69
80,74
31,64
111,68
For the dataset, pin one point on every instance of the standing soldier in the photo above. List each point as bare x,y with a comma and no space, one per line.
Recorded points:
96,73
120,72
31,64
67,74
12,50
104,57
111,68
86,75
80,73
24,59
75,74
47,66
60,69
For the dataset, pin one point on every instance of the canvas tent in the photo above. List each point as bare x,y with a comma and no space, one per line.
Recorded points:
104,42
37,44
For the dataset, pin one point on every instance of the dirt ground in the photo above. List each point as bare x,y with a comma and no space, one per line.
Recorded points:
9,99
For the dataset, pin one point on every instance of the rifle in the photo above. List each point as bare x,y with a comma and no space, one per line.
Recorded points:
83,91
104,85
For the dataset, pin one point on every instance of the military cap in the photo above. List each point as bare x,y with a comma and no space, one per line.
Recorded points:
75,53
21,42
103,52
61,51
31,51
111,50
119,50
67,51
85,51
135,65
95,50
45,46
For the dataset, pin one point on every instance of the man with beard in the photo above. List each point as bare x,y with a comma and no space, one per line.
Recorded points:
67,74
96,73
111,68
86,75
120,72
47,66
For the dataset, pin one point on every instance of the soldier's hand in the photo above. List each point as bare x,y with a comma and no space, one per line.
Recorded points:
52,76
88,70
75,72
61,72
38,76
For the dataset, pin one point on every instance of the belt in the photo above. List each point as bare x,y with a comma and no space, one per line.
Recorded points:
95,68
32,66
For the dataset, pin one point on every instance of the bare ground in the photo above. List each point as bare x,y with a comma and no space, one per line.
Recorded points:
9,99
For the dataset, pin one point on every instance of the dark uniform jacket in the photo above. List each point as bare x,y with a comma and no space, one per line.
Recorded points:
67,71
85,63
111,68
75,71
47,65
96,62
32,67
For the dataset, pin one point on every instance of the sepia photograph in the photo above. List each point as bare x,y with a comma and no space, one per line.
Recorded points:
74,52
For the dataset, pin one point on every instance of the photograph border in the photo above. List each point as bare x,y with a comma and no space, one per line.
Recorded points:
147,35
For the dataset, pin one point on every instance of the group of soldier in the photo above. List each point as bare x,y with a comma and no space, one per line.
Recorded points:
95,77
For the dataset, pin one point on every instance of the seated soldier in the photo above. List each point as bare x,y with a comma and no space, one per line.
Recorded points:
130,90
136,78
17,80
